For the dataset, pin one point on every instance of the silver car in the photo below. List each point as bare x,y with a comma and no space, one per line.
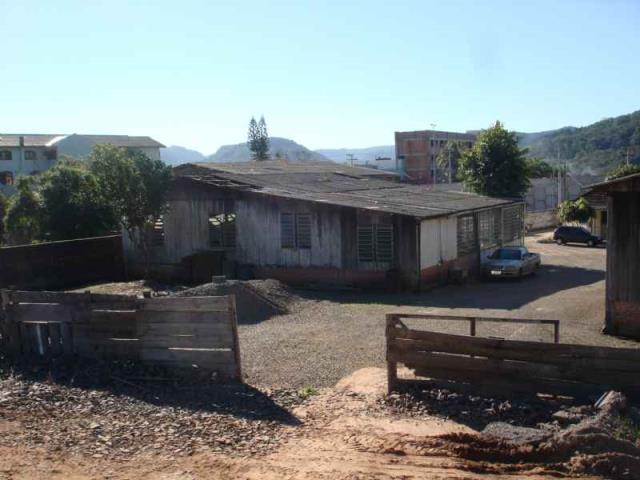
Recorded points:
511,262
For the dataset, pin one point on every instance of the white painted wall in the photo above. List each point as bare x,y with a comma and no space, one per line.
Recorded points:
438,241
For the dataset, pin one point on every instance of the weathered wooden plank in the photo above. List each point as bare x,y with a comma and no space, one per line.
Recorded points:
223,360
55,337
185,328
42,338
208,318
186,304
187,341
40,312
66,337
514,370
69,298
628,358
25,339
438,316
233,319
126,349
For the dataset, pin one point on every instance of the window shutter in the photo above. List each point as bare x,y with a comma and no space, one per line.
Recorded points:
303,230
384,243
365,243
287,230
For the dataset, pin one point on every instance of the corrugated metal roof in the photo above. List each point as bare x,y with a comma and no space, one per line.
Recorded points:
347,187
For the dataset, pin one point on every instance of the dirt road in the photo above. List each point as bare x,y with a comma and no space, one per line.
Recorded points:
344,434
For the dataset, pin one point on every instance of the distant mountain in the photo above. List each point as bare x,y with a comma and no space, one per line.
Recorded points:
362,155
175,155
279,148
596,148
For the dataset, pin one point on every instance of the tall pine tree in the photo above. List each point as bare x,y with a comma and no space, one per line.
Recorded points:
253,139
258,140
264,140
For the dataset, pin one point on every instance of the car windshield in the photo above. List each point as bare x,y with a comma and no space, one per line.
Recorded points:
506,254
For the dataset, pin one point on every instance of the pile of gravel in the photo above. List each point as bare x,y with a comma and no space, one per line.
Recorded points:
116,411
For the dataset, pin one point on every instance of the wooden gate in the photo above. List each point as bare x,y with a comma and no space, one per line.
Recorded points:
508,364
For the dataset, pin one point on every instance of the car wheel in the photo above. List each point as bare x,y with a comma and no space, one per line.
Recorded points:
591,243
559,241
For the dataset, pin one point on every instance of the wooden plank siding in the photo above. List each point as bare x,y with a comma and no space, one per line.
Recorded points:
514,364
184,333
623,264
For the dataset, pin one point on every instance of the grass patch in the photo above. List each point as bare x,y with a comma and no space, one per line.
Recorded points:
306,392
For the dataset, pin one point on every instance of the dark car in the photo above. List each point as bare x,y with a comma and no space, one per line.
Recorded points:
567,234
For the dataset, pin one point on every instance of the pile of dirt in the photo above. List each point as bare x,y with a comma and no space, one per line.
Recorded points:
119,410
525,436
256,300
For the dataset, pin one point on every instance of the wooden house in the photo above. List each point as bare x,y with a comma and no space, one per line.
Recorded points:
323,223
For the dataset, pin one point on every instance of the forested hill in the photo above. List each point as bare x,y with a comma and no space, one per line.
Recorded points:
596,148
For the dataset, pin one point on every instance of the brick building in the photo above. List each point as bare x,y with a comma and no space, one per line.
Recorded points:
417,153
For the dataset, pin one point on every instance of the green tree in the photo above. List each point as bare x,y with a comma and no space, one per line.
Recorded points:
264,140
258,139
538,168
575,212
72,204
623,170
495,165
4,204
24,220
135,188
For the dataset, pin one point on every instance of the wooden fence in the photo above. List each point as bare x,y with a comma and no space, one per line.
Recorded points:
183,332
513,364
62,264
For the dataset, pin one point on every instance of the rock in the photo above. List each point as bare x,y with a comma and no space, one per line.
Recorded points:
514,434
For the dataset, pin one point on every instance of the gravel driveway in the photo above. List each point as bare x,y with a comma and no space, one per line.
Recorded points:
329,335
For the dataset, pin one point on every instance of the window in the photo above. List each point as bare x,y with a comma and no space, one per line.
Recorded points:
466,235
157,236
303,230
6,178
50,154
375,243
5,155
222,230
512,223
30,155
295,230
489,227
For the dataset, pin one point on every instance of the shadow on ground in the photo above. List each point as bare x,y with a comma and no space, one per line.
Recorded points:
162,388
485,294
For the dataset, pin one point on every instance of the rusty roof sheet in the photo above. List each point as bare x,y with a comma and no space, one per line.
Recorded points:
344,188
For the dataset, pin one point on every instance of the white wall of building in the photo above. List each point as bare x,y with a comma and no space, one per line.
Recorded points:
438,241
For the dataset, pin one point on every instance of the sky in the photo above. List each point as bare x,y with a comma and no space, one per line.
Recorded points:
327,74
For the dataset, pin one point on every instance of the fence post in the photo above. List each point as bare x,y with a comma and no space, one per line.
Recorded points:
392,367
472,326
233,318
556,332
